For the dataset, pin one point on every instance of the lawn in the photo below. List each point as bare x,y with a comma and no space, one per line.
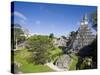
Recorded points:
27,67
74,60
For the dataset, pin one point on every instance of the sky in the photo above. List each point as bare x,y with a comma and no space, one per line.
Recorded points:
44,18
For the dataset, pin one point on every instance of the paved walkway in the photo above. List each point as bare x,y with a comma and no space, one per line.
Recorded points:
54,67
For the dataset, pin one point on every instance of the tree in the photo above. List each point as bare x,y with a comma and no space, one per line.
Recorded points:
64,37
94,44
26,31
71,38
17,34
93,20
51,35
40,46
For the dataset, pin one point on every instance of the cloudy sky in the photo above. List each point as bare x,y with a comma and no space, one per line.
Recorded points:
41,18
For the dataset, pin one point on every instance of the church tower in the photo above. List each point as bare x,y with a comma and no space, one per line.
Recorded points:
84,35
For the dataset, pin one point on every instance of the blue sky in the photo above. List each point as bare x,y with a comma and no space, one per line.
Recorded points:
43,18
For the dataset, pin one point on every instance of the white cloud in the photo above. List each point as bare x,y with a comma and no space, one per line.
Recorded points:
16,13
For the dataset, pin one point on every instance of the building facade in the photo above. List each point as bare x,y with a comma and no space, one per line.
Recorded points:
84,35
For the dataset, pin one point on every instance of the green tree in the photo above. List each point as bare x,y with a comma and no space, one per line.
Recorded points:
93,20
94,43
17,35
64,37
51,35
71,38
40,46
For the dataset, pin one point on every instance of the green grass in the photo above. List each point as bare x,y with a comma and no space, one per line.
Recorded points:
74,60
55,54
28,67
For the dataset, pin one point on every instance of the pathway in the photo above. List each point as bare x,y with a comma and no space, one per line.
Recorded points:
54,67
